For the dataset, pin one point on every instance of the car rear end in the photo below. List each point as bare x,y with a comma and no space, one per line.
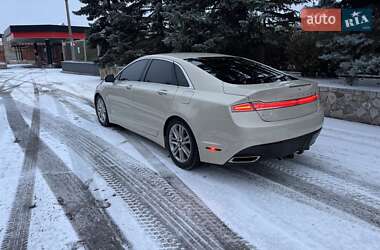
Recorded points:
275,122
270,114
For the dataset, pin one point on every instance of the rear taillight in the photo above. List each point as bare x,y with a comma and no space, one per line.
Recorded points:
243,107
246,107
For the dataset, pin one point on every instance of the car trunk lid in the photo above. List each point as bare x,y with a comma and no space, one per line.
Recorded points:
279,100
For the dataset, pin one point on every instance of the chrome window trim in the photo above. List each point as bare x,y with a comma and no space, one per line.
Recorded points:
191,86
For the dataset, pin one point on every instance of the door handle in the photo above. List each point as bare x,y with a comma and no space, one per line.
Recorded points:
162,92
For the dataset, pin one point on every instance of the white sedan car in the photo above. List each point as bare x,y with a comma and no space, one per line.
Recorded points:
212,108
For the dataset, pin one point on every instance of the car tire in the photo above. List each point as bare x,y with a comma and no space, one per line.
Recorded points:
101,111
186,156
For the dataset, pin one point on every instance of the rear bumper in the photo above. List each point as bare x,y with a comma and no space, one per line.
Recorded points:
282,148
245,135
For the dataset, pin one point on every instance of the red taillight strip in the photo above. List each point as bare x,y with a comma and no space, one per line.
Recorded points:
284,104
244,107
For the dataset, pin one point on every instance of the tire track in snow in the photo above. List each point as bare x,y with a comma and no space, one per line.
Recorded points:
91,222
67,93
14,76
164,213
362,203
342,186
353,134
353,140
76,110
54,91
17,231
328,167
186,193
164,172
17,77
341,196
139,144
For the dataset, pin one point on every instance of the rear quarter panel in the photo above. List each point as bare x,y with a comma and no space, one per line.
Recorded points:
209,118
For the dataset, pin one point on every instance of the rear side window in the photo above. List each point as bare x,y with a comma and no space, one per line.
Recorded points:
236,70
161,71
181,79
134,71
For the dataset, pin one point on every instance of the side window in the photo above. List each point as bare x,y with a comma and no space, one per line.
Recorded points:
134,71
161,71
181,79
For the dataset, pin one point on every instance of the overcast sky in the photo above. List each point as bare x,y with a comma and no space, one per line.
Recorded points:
38,12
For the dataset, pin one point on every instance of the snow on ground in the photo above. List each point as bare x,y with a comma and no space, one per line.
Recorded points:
80,85
328,198
272,215
97,185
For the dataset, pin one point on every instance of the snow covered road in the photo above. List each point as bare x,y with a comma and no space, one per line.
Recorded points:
68,183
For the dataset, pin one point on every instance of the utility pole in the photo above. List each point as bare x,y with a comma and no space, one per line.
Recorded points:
70,31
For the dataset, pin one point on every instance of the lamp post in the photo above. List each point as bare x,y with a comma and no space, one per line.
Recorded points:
70,31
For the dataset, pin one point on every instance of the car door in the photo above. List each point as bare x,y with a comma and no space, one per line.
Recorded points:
153,98
120,95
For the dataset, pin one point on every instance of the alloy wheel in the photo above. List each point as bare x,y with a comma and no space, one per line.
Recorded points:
180,143
101,110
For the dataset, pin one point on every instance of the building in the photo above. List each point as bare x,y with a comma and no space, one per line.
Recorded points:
2,56
39,44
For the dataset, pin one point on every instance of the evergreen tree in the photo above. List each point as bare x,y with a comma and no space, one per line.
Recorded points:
126,29
97,13
327,3
354,53
156,27
187,24
343,51
279,22
129,30
240,27
304,55
235,28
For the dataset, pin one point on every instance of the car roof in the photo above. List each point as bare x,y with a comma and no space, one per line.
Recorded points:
186,55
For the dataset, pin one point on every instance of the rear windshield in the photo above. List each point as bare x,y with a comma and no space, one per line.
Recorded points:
236,70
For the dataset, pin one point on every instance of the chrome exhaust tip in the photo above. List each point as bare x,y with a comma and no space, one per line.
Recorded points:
244,159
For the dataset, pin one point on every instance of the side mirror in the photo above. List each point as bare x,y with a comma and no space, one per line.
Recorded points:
109,78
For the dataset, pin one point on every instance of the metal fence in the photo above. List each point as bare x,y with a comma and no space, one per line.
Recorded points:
83,52
3,63
2,54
